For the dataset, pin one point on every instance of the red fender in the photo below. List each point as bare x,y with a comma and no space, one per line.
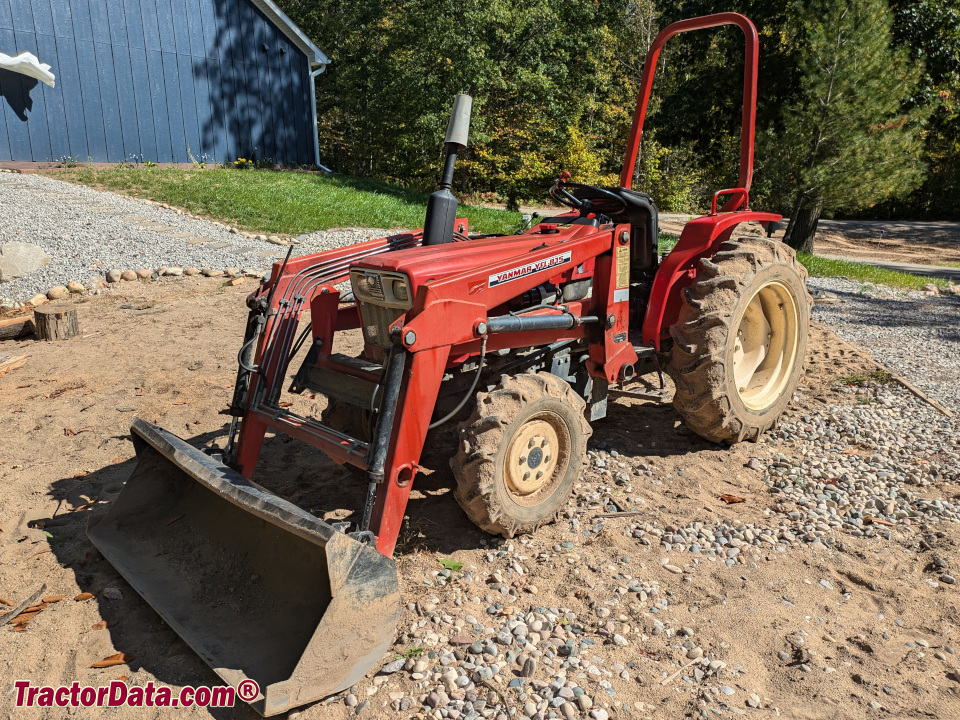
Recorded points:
701,237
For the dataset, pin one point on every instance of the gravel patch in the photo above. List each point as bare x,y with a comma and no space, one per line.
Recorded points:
913,333
481,643
871,468
87,232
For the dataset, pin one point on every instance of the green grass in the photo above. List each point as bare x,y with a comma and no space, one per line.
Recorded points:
879,376
860,272
270,201
666,242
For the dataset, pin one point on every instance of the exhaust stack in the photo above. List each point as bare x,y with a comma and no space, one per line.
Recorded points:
442,205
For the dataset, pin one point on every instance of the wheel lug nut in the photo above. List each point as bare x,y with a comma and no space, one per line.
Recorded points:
526,476
531,443
539,475
546,459
522,460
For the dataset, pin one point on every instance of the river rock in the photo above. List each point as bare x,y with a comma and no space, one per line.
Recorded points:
75,287
18,259
128,275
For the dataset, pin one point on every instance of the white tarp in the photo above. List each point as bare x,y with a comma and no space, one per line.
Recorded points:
27,64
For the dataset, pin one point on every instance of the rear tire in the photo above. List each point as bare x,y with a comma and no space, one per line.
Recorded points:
740,342
520,453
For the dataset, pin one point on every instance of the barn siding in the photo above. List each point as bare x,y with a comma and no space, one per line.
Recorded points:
157,80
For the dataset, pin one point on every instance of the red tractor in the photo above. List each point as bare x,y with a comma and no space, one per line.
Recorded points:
530,333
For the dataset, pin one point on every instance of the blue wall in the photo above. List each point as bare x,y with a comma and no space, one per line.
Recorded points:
146,79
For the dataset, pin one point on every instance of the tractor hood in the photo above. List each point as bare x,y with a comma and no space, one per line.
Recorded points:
425,263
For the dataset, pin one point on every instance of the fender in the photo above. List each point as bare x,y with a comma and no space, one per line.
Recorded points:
701,237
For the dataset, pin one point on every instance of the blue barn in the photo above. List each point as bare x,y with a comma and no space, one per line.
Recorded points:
158,80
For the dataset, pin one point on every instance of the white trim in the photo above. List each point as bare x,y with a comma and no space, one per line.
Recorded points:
288,28
27,64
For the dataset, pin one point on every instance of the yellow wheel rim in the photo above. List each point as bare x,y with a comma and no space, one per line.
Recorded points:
536,459
766,345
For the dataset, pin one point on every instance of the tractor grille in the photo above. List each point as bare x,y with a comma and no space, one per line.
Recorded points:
376,323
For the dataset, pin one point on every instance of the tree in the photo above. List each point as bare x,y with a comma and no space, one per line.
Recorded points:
930,29
697,101
545,80
847,141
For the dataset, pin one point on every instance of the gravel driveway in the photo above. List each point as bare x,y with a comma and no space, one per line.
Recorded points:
87,232
915,334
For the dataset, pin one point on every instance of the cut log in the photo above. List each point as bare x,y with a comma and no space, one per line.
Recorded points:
15,327
56,322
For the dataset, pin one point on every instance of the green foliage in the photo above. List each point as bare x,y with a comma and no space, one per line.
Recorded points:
930,30
666,175
284,202
697,102
555,85
847,140
544,77
451,564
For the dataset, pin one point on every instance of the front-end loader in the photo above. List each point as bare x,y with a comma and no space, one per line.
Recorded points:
528,335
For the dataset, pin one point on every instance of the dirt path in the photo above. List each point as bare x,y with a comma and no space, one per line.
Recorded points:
166,352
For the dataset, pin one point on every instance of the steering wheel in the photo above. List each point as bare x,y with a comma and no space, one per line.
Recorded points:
587,198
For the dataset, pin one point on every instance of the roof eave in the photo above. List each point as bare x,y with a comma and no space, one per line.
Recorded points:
295,34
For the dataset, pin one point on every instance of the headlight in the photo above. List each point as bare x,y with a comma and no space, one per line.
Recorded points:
389,289
370,285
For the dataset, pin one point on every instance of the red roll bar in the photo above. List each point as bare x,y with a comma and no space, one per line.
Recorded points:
749,96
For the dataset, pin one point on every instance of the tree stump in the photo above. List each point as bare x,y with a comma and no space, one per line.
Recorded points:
56,322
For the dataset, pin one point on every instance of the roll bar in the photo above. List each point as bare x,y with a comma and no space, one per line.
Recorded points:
749,96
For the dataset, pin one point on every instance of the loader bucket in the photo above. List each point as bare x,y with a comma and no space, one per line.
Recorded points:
258,587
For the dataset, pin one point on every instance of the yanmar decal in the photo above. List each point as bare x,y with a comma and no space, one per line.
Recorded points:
529,269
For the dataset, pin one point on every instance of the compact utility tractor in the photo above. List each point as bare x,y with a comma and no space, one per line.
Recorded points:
530,334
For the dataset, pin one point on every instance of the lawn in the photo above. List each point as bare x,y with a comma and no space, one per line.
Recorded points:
829,267
281,202
292,202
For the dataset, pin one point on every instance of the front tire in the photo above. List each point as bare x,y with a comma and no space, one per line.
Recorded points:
740,342
520,453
